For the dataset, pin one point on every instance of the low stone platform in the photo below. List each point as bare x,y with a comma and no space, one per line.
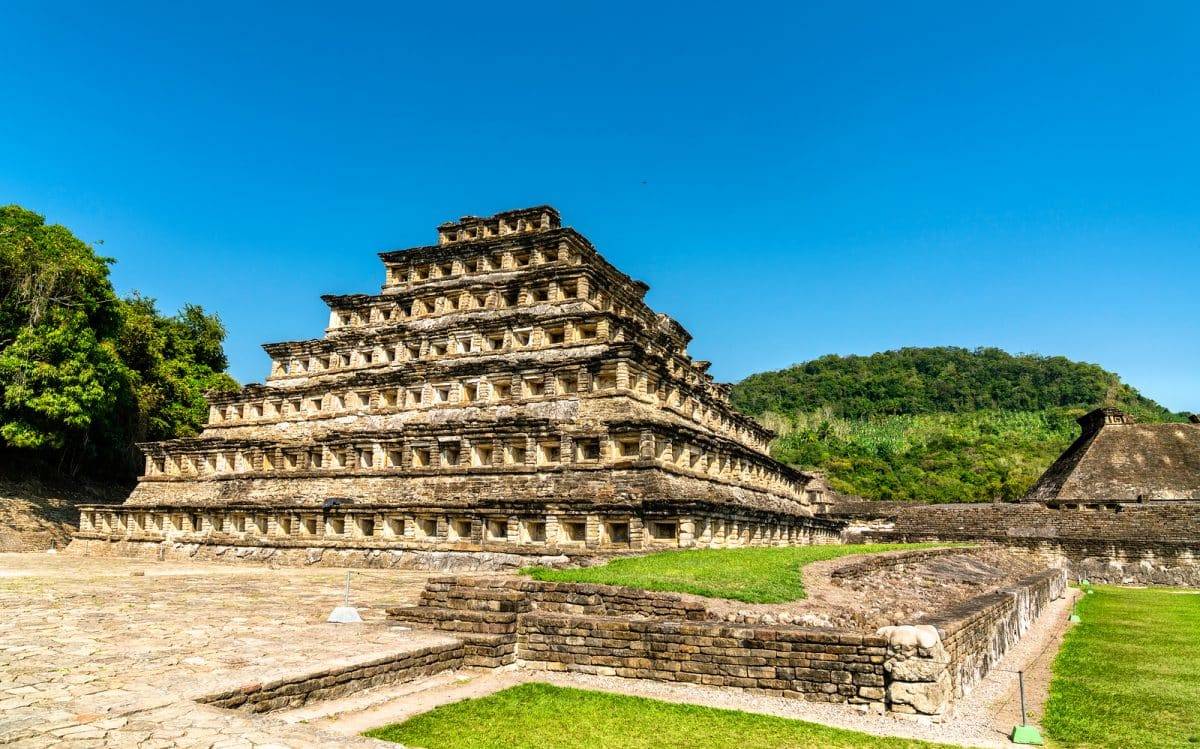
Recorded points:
116,653
911,667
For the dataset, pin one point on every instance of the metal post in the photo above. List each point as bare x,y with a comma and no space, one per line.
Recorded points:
1020,686
1023,733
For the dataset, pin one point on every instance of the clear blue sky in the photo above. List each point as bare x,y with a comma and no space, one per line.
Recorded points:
791,180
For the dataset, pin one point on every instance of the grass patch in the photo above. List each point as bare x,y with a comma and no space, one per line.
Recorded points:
539,716
1129,674
754,575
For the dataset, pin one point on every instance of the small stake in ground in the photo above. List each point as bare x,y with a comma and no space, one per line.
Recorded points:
1025,733
345,614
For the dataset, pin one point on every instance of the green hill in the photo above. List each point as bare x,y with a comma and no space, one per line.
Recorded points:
934,424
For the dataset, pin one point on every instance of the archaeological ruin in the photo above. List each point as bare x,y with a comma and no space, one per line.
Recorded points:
1116,459
848,643
508,392
509,399
1121,505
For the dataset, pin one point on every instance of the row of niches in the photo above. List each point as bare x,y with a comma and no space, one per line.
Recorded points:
399,274
517,294
471,228
492,390
488,340
572,530
481,342
458,454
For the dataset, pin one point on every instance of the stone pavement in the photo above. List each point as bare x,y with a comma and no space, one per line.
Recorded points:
113,652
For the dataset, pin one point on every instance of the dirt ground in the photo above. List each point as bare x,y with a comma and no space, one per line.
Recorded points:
39,514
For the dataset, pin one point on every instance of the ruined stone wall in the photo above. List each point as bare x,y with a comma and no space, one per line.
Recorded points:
568,598
977,633
872,562
829,666
390,559
946,654
1155,544
604,629
1122,522
608,630
295,691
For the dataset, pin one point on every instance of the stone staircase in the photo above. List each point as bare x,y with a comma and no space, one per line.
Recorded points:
483,617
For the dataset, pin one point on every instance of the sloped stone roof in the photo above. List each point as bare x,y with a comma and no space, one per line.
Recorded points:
1116,459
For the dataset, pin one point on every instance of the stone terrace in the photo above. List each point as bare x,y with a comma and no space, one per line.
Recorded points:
112,653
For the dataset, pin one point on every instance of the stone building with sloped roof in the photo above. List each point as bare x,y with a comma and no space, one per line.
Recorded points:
1116,459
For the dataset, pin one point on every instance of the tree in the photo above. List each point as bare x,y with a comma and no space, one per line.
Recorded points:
84,374
175,361
62,387
46,268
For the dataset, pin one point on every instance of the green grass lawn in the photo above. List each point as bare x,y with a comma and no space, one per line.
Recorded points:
1129,674
754,575
539,716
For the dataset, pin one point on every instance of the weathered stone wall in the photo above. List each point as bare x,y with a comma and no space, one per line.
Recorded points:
609,630
820,665
946,654
397,559
1153,544
1118,522
1138,564
978,633
39,513
568,598
295,691
484,611
480,612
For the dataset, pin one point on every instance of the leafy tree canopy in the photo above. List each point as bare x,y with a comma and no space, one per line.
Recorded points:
85,374
938,380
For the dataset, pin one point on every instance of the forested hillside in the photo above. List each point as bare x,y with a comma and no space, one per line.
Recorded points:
936,424
85,373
